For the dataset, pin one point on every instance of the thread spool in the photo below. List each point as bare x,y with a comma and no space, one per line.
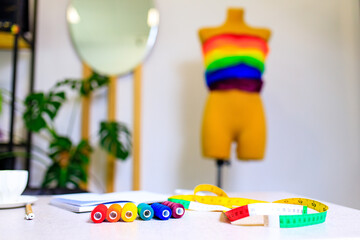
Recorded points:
145,211
113,214
129,212
98,215
177,209
161,211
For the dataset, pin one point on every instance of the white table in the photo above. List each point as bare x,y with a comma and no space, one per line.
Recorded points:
55,223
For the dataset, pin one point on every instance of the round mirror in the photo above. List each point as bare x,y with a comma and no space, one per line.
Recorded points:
112,36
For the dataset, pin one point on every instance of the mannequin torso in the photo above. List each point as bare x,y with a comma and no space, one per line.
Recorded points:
234,57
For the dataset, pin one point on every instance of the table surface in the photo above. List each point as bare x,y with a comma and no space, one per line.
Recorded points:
55,223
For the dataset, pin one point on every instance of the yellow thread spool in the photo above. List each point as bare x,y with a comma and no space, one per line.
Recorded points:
129,212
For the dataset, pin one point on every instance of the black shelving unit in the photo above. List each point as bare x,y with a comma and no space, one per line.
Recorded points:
21,6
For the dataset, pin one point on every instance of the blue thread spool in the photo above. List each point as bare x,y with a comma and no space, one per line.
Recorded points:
145,211
161,211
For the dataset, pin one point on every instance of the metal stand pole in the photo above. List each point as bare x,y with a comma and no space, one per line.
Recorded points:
219,164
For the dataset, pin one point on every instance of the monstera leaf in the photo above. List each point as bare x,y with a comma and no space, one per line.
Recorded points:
116,139
87,85
69,162
39,107
94,82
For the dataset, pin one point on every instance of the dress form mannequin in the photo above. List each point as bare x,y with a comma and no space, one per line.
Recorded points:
234,55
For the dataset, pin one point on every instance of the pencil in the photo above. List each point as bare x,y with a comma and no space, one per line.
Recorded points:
29,214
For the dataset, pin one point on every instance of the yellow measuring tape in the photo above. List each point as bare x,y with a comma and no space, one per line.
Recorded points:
221,199
285,213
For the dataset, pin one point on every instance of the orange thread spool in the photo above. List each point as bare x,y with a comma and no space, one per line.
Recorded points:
113,213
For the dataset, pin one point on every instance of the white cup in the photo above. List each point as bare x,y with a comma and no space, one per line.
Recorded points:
12,185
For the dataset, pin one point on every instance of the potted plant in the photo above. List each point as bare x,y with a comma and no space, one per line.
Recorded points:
69,160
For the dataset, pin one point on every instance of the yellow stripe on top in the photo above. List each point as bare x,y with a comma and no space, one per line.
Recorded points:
217,54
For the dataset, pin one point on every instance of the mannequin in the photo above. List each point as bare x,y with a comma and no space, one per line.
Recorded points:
234,56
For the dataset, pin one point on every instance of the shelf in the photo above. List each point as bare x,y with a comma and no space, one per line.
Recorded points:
5,144
7,41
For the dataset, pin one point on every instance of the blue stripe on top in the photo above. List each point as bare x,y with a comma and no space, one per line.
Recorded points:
238,71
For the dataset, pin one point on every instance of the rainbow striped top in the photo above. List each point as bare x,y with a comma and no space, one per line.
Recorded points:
235,62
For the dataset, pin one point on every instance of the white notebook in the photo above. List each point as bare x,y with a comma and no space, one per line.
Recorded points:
86,202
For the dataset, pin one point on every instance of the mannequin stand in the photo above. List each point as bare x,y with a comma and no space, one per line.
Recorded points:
219,164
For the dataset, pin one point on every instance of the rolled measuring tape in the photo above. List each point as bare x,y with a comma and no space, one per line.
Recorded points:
220,202
98,214
195,206
145,211
289,221
285,215
256,209
113,213
161,211
129,212
177,209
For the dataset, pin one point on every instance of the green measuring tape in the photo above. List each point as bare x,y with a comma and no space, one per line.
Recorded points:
289,221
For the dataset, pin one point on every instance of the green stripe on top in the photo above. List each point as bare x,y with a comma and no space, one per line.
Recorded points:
185,203
235,60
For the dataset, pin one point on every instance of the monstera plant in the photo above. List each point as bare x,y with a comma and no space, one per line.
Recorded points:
69,160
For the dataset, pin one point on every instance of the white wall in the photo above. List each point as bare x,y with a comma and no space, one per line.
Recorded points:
311,97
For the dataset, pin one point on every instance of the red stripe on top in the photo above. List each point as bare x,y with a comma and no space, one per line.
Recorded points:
241,41
237,213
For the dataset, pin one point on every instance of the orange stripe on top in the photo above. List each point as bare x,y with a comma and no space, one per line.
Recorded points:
239,41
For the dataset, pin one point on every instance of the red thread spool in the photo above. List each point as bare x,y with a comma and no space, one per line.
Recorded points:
177,209
113,213
98,215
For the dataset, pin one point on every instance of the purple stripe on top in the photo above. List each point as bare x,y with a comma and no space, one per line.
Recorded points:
249,85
